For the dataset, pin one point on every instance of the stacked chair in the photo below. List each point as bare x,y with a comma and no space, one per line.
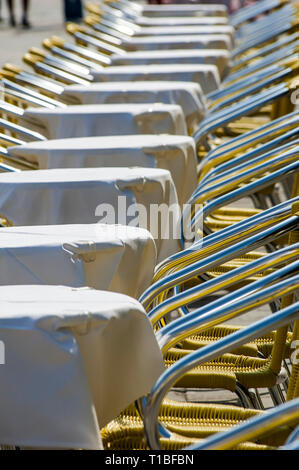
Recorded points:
237,188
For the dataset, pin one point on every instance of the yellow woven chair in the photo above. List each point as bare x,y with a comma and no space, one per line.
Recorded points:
193,421
249,372
250,58
53,69
223,131
238,178
227,151
229,239
290,64
292,394
167,267
223,345
249,144
262,345
126,432
232,371
12,133
188,423
252,55
78,54
42,84
226,216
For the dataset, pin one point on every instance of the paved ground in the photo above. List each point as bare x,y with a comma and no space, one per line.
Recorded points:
46,17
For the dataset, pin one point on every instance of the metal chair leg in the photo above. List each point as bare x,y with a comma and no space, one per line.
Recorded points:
280,391
259,399
247,398
286,366
276,396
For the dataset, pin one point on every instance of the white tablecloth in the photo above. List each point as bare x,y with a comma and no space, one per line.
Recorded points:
74,358
185,30
218,57
174,153
198,41
187,95
179,20
176,9
89,195
206,75
108,257
108,119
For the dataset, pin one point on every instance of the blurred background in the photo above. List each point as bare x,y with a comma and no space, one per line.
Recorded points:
46,18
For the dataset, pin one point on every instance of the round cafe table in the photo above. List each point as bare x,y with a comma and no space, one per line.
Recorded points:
218,57
73,359
170,152
183,41
166,21
185,30
144,197
187,95
118,258
106,119
173,10
206,75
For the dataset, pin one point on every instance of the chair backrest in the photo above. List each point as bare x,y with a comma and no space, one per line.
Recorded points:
261,58
76,69
47,86
50,68
18,163
9,86
201,259
205,316
198,221
245,107
151,405
57,51
81,35
21,131
257,141
251,11
249,85
240,230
